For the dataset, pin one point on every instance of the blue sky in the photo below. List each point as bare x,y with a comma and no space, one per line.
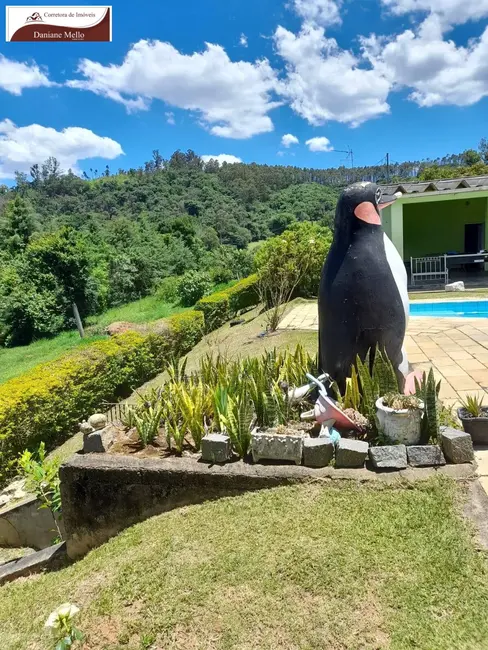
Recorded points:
374,75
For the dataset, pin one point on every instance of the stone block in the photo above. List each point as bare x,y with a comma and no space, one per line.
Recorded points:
425,456
317,452
52,557
98,421
216,448
351,453
455,286
267,446
388,457
457,446
93,443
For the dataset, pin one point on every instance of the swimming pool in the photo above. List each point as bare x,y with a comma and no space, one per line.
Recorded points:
458,308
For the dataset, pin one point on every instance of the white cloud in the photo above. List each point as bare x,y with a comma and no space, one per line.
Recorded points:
22,146
170,118
243,40
451,12
325,82
319,12
289,139
233,99
222,158
436,70
319,144
15,76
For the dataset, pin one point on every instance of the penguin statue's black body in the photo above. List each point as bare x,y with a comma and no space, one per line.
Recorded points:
363,300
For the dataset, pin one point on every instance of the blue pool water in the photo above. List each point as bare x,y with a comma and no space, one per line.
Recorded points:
458,308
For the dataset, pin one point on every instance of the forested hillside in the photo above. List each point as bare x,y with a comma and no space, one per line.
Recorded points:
104,241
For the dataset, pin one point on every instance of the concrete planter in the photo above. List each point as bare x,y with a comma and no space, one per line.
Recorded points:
269,446
402,426
476,427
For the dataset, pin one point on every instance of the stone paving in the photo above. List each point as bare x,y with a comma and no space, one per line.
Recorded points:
457,349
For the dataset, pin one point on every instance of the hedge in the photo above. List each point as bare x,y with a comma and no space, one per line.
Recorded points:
219,307
46,403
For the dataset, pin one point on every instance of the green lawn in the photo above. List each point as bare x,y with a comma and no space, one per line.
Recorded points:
336,567
15,361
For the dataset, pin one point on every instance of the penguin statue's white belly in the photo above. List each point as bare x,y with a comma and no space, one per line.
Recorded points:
399,273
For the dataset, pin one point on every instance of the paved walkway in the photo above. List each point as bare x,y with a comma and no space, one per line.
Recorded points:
457,349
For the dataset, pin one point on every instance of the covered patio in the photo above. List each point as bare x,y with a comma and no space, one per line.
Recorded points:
441,225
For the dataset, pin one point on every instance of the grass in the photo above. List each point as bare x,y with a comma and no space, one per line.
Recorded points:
15,361
309,567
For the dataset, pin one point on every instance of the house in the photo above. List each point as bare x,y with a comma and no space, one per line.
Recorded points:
445,219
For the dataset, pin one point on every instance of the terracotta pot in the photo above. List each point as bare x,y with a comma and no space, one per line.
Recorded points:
403,426
476,427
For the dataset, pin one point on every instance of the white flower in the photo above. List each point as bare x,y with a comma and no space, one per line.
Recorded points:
63,612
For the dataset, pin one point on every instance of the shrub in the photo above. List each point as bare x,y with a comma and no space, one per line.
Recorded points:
193,286
220,306
46,403
295,258
167,289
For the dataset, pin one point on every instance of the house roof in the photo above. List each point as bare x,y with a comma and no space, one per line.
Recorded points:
470,182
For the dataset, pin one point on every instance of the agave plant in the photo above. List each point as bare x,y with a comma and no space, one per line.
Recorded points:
428,391
236,419
147,424
195,407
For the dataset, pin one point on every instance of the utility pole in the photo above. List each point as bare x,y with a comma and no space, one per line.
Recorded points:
387,167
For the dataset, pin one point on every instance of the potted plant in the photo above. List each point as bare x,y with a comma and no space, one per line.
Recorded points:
400,417
474,417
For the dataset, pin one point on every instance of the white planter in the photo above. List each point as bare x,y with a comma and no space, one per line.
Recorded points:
268,446
402,426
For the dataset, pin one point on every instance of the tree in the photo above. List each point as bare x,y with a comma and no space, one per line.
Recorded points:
290,265
483,149
471,157
18,224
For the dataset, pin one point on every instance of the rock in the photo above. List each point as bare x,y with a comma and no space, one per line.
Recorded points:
216,448
388,457
120,327
317,452
457,446
425,455
351,453
268,446
4,499
86,428
240,321
455,286
93,443
98,421
156,327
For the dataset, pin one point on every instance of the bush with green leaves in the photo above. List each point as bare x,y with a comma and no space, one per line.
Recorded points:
193,286
221,306
294,260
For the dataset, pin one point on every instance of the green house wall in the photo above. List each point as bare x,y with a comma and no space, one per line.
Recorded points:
438,227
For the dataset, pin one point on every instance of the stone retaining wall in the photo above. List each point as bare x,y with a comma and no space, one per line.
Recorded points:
103,493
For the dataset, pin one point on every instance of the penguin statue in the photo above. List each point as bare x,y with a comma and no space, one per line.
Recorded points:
363,298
